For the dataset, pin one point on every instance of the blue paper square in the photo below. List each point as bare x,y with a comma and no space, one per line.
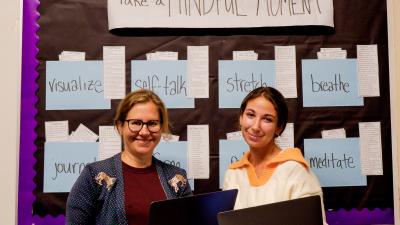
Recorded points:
336,162
330,83
237,78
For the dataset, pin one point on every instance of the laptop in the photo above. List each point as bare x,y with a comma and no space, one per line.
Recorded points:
301,211
201,209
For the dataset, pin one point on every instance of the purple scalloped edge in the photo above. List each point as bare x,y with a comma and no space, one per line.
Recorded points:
360,217
27,140
28,122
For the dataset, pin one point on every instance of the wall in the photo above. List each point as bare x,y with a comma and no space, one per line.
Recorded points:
394,51
10,59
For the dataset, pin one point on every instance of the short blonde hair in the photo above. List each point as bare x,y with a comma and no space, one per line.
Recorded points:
142,96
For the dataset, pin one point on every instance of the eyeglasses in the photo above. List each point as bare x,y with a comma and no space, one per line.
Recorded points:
135,125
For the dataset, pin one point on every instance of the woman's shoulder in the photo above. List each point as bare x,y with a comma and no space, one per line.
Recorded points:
236,173
105,165
292,164
295,169
292,158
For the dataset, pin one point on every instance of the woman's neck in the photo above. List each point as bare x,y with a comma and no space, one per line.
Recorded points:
136,161
262,156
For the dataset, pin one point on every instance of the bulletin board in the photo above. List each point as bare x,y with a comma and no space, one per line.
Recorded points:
51,27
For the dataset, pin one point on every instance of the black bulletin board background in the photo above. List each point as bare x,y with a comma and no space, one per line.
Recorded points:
81,25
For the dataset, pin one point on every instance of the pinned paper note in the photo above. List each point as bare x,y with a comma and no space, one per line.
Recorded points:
371,148
332,53
114,72
56,130
237,135
110,142
162,55
197,71
71,56
334,133
285,67
368,70
83,134
286,139
169,138
198,151
244,55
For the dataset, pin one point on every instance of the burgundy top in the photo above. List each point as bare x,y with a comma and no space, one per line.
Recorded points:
141,187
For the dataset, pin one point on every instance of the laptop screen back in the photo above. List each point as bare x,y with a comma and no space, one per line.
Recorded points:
301,211
201,209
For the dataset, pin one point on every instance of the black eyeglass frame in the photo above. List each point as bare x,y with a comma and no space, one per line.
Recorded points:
149,128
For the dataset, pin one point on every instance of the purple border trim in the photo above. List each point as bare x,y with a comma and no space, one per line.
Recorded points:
28,123
360,217
27,140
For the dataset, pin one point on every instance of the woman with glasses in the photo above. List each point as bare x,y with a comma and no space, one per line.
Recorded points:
119,190
266,173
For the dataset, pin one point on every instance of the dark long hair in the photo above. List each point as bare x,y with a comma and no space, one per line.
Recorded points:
277,100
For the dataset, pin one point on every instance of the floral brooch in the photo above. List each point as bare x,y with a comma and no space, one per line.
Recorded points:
177,182
107,179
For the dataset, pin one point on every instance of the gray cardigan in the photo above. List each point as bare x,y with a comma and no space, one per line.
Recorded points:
99,199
